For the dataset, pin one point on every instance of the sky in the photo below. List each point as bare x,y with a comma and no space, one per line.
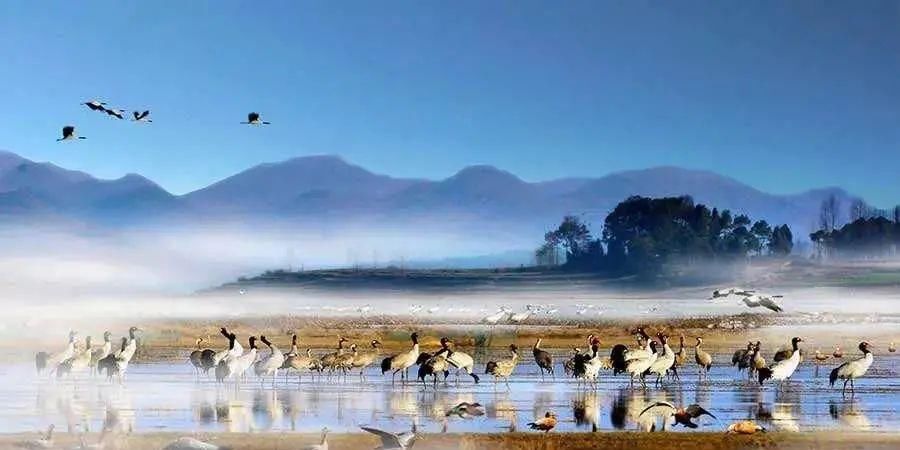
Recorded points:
784,96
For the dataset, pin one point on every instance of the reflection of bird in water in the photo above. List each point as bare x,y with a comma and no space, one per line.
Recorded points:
585,409
267,410
45,441
849,416
683,416
189,443
783,417
403,403
503,409
465,410
391,440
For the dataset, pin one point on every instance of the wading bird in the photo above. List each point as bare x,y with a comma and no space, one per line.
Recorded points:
665,362
852,370
68,134
43,360
502,369
638,368
253,119
101,352
702,358
402,361
269,365
542,358
783,369
683,416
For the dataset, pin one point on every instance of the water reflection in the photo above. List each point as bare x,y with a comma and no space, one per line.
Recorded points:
850,414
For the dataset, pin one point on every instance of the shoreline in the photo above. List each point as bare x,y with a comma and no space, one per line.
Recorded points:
496,441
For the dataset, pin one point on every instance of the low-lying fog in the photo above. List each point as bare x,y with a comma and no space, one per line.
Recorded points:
58,277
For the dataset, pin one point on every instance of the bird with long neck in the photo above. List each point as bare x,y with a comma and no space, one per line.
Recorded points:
702,358
783,369
852,370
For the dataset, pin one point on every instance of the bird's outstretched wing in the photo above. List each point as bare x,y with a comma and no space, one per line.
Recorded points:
388,440
145,114
696,410
137,115
659,409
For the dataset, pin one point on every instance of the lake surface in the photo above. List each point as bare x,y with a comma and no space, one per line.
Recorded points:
170,397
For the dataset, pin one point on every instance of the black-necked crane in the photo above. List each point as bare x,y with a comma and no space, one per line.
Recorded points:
502,369
852,370
95,105
141,116
43,360
569,365
68,134
740,353
460,360
702,358
664,362
683,416
638,368
43,442
269,365
253,119
117,113
323,441
587,367
79,362
234,348
389,440
542,358
435,366
101,352
123,358
242,363
402,361
329,360
782,370
546,423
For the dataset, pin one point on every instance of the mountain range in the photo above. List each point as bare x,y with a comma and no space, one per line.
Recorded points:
322,189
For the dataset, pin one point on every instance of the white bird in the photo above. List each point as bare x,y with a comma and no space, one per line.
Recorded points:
124,356
189,443
402,361
719,293
852,370
269,365
323,444
43,360
253,119
141,116
103,351
68,134
521,316
45,441
637,367
766,301
663,363
234,348
415,309
434,309
783,369
390,440
364,309
238,365
80,362
496,317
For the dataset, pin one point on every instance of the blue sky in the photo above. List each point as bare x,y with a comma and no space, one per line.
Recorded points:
782,95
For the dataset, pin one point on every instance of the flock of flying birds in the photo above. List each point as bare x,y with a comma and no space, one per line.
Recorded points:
68,131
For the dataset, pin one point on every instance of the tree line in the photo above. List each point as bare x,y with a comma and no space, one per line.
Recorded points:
871,232
642,234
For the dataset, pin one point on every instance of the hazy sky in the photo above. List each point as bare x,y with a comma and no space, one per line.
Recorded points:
781,95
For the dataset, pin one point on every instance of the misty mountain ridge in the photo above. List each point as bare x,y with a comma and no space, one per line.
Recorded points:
311,188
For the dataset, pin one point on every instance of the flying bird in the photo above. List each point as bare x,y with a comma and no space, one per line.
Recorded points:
95,105
390,440
253,119
682,416
117,113
142,116
766,301
68,134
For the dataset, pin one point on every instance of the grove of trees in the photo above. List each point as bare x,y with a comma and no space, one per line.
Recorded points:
870,233
642,234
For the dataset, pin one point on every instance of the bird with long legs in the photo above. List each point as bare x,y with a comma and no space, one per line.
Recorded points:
703,359
782,370
665,362
362,360
101,352
44,360
269,365
852,370
502,369
401,362
638,368
543,359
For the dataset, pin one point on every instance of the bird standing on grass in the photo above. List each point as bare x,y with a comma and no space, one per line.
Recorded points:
546,423
852,370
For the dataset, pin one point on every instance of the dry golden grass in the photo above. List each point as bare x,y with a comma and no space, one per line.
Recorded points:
513,441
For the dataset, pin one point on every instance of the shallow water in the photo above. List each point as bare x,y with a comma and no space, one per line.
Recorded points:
170,397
